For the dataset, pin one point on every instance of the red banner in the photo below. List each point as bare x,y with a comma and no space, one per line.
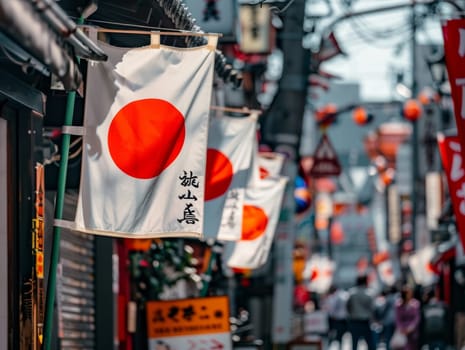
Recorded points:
452,161
454,49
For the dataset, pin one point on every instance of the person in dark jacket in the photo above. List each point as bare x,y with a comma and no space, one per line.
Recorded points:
435,323
384,316
360,313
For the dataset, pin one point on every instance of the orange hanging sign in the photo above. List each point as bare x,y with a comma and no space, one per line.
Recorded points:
183,323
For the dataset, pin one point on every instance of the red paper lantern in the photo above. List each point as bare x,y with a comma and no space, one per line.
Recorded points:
412,110
360,116
326,115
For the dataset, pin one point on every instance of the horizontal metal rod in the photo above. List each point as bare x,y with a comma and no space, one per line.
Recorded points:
148,32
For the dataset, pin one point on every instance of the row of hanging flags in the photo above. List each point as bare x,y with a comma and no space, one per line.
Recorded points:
157,163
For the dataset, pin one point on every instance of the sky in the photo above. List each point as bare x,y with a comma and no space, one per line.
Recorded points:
376,45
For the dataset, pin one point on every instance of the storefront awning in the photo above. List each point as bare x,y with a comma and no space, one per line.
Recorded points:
40,34
445,251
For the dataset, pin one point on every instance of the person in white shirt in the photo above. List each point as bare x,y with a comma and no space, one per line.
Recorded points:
336,307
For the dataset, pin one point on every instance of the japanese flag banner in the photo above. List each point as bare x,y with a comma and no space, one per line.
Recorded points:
230,147
146,127
386,272
262,206
420,265
265,164
451,153
270,164
319,271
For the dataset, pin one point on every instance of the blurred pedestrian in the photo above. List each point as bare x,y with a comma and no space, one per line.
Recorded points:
336,307
389,317
407,313
360,312
435,327
379,309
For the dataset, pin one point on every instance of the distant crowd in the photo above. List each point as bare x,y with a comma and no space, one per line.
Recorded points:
394,318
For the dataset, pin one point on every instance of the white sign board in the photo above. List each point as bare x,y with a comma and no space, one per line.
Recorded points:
316,322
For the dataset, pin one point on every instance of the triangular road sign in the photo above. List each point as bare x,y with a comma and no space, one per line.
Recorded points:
325,161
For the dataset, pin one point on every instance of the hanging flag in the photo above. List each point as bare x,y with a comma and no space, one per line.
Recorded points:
454,51
261,211
270,164
264,164
453,164
319,271
421,267
230,147
254,178
146,127
386,272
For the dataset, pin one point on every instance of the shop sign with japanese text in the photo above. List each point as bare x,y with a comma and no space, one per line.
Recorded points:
189,324
452,161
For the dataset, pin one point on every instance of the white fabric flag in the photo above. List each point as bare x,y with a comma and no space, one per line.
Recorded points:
420,265
270,164
146,123
386,272
262,206
230,147
319,270
254,178
265,164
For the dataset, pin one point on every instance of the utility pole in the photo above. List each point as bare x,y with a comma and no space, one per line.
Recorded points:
282,125
415,160
281,129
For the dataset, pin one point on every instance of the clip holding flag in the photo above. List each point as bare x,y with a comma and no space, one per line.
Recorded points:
155,40
212,42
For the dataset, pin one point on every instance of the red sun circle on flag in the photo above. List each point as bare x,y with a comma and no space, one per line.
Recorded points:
264,173
219,174
314,274
145,137
254,222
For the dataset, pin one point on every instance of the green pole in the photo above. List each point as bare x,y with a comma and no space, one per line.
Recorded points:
208,273
51,285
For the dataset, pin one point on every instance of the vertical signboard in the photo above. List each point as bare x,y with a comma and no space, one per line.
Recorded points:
215,16
434,200
404,169
394,233
255,29
454,49
452,161
283,248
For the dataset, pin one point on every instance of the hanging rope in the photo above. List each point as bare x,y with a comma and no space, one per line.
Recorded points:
182,19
